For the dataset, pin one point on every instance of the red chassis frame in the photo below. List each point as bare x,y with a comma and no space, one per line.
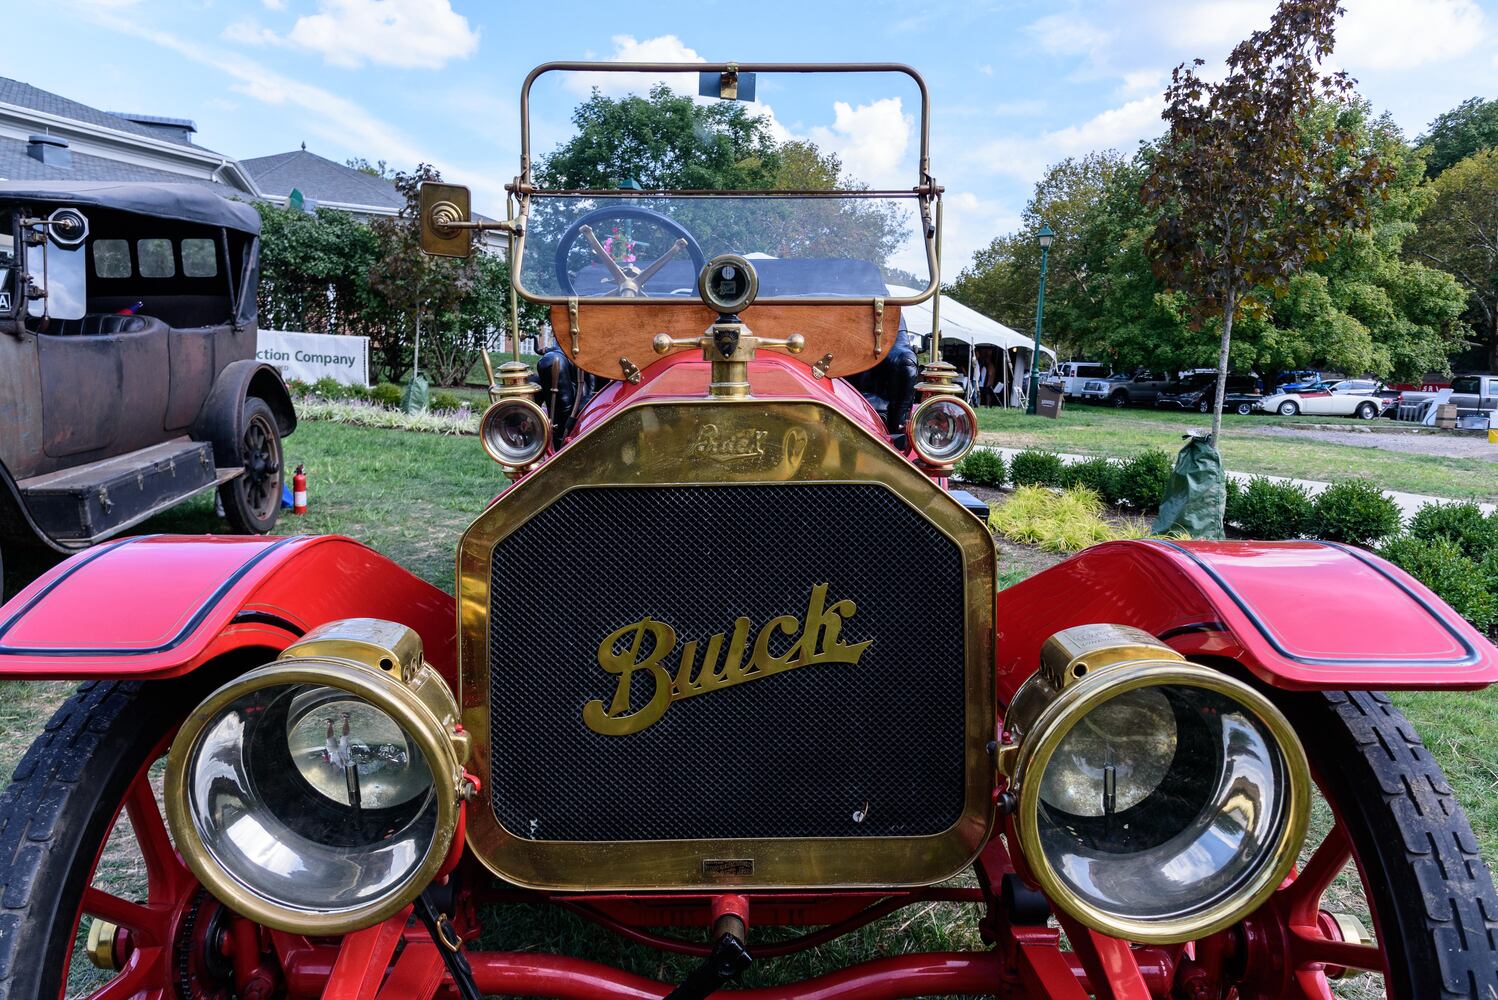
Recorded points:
1296,615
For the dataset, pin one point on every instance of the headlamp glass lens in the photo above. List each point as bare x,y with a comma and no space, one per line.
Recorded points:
311,798
1162,801
515,433
944,430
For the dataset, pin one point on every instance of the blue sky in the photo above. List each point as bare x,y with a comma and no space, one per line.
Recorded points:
1014,84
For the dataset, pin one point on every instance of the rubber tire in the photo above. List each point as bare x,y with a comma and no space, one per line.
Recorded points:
242,519
1434,896
1367,411
1120,400
1203,407
1244,409
1288,408
56,811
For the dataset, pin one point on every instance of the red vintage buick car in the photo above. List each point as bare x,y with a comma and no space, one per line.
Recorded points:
729,675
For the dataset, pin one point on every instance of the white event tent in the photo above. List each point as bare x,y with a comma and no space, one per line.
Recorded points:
960,323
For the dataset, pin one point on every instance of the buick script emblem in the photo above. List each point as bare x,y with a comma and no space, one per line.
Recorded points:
625,651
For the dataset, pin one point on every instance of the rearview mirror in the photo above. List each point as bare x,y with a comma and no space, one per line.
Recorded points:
729,86
446,220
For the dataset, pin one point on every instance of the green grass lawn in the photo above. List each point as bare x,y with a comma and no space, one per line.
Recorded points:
1099,430
411,495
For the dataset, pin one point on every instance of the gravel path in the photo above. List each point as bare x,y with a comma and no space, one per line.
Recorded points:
1451,446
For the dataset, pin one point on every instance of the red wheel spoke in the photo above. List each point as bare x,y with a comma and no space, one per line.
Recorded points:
1312,985
1319,950
144,920
163,867
1304,894
142,974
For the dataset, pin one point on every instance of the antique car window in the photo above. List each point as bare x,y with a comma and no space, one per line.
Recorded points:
112,258
156,259
9,294
61,273
199,258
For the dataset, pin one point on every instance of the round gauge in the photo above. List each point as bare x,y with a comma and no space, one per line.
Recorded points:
728,283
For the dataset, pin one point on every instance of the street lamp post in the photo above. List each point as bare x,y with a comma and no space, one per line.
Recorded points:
1044,238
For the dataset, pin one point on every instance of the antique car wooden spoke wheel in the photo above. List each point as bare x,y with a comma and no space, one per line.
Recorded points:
252,501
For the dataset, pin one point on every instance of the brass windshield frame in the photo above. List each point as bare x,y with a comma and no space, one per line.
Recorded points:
926,192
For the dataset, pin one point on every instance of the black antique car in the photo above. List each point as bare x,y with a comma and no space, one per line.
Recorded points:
128,379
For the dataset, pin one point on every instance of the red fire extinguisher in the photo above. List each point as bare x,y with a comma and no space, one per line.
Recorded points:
299,491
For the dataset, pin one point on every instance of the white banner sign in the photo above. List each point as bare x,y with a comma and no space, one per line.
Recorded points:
307,357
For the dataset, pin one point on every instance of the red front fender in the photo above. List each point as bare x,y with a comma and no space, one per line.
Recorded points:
160,606
1300,615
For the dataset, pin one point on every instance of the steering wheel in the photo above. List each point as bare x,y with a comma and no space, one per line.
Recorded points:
628,279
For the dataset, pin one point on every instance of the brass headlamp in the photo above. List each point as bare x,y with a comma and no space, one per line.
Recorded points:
1159,801
320,794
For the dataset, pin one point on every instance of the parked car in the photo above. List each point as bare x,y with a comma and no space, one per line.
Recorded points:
1199,392
728,676
1293,381
128,377
1356,387
1471,393
1072,375
1138,389
1324,402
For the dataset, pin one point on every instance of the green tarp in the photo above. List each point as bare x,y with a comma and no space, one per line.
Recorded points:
414,399
1196,496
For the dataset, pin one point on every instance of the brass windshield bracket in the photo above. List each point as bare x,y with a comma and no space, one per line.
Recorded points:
631,373
572,321
878,326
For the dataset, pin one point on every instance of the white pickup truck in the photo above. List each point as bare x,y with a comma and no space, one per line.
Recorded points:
1071,375
1470,393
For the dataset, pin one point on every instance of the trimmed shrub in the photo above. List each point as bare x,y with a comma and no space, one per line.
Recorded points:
1271,511
1096,474
1035,468
1142,480
1475,533
1356,512
982,467
329,387
1440,564
1066,522
444,401
386,394
298,388
357,393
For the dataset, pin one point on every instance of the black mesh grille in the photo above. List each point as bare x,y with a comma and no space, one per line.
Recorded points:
795,754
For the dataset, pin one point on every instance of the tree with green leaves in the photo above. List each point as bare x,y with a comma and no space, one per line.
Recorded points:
1002,279
314,272
1246,197
450,307
1456,134
1460,234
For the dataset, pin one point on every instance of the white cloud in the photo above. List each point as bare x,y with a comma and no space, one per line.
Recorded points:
872,140
408,34
969,223
1068,35
1404,34
1214,23
628,48
274,4
1026,157
248,31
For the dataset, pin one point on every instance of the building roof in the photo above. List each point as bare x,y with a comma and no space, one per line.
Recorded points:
17,165
24,95
321,180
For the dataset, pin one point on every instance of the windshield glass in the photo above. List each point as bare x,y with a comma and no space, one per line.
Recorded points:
640,178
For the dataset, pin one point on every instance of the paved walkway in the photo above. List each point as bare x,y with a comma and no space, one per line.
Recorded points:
1408,503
